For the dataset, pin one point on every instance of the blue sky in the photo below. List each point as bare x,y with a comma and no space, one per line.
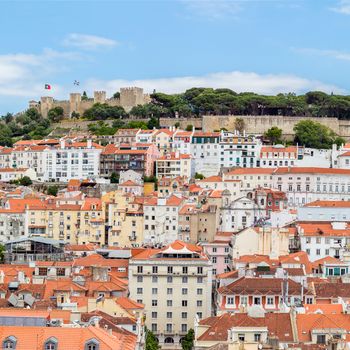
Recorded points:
265,46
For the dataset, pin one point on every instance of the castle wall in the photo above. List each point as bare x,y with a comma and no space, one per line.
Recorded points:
259,124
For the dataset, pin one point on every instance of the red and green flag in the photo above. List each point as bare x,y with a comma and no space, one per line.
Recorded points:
47,87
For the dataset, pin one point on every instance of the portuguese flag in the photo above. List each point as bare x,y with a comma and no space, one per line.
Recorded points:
47,87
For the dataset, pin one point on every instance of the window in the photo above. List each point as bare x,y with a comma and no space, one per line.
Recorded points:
92,344
139,279
169,291
321,339
269,300
154,290
170,269
139,290
257,300
213,259
51,344
184,328
42,272
169,314
257,337
184,291
154,302
184,303
9,343
199,279
154,327
199,303
154,269
241,337
184,314
318,251
154,314
139,269
243,300
200,270
169,303
230,300
185,269
170,279
60,271
214,250
169,327
154,279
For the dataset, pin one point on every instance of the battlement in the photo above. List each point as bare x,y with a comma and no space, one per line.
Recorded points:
129,97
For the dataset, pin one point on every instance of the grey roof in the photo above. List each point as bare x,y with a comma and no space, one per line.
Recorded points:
115,253
36,239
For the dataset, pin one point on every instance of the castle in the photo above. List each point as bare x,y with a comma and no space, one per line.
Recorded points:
129,97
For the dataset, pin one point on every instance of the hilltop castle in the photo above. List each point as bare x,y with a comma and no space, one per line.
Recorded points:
129,97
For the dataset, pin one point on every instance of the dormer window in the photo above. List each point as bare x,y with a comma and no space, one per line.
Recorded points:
51,344
9,343
92,344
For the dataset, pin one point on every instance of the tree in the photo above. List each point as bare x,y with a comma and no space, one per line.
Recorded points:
114,178
153,123
189,127
84,96
25,181
75,115
116,95
151,341
2,253
187,340
274,135
239,125
52,190
56,114
315,135
198,176
177,125
102,111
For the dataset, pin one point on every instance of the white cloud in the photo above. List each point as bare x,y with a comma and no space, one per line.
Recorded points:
24,75
237,81
339,55
213,9
342,7
88,42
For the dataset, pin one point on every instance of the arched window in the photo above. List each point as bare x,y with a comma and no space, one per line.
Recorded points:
169,340
9,343
92,344
51,344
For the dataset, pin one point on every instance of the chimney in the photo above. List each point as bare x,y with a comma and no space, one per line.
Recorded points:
62,143
89,143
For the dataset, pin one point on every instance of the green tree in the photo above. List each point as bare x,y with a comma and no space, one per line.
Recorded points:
52,190
189,127
116,95
84,96
199,176
151,342
56,114
153,123
239,125
25,181
2,253
102,111
177,125
274,135
114,178
187,340
315,135
75,115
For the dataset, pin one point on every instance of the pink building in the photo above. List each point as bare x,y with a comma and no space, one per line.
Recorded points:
220,252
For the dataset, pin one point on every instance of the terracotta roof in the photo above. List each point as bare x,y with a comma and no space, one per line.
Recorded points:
332,290
174,156
67,337
214,178
127,303
311,170
322,229
324,308
306,323
278,325
329,204
265,286
250,171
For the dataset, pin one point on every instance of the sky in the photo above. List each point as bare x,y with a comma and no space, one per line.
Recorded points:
264,46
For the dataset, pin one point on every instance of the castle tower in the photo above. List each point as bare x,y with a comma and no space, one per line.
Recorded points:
99,96
45,105
74,103
130,97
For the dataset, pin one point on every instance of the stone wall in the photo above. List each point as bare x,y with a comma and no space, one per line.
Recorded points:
259,124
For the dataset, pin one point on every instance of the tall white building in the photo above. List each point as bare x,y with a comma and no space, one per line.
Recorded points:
175,285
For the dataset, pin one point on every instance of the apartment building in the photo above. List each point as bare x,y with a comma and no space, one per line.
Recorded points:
175,164
175,284
72,160
161,219
322,239
279,156
137,157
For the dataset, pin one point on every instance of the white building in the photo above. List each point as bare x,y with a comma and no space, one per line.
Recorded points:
175,164
321,239
161,219
325,211
175,285
12,174
72,160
